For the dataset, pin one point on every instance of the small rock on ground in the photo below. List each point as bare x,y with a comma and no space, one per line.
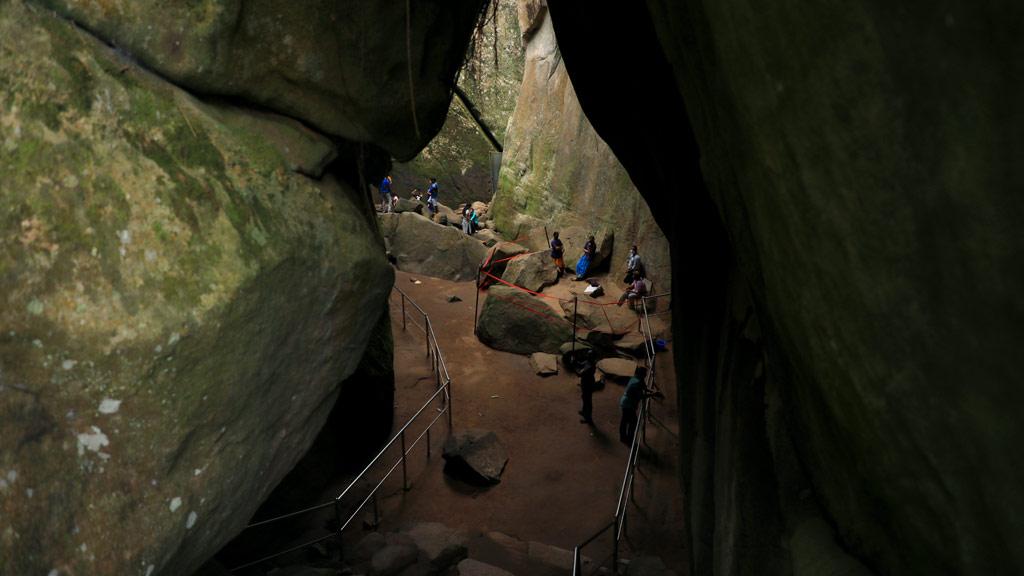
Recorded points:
475,457
544,364
454,298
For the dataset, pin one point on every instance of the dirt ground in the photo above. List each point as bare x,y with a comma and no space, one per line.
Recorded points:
563,477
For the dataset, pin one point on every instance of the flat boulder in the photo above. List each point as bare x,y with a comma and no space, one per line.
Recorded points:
498,256
423,247
602,316
475,456
515,321
408,205
617,368
544,364
531,271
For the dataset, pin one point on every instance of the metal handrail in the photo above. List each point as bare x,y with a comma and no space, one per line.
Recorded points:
444,390
618,523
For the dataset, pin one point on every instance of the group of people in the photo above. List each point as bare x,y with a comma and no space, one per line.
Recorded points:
582,265
635,278
389,200
635,392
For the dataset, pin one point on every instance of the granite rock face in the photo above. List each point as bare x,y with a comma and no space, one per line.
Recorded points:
423,247
338,66
557,172
179,306
840,185
519,322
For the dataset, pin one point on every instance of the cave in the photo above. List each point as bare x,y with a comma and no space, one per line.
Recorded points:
197,286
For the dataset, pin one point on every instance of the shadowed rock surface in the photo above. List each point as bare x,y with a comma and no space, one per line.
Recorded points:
839,184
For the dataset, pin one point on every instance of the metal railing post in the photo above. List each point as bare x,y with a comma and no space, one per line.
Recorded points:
426,323
405,475
403,310
576,568
476,303
428,443
448,384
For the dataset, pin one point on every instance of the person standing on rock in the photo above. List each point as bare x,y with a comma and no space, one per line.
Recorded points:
466,210
634,267
629,403
385,194
432,196
587,386
589,251
474,221
557,253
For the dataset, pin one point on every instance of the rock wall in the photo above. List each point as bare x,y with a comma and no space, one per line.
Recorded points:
841,178
556,170
459,156
340,66
185,282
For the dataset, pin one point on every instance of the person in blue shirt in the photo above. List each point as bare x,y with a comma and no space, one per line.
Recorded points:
634,394
385,194
432,196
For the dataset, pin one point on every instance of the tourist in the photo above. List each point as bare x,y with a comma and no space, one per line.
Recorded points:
557,253
466,210
474,221
385,195
636,290
589,251
634,267
629,403
432,196
587,386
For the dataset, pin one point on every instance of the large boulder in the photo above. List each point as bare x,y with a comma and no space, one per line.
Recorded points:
423,247
179,306
408,205
842,191
499,255
342,67
602,316
519,322
531,271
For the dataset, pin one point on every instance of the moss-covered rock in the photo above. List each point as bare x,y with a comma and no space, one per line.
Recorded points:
341,67
178,307
557,172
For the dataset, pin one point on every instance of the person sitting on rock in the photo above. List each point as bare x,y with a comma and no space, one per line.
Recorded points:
432,196
589,252
635,291
634,267
557,253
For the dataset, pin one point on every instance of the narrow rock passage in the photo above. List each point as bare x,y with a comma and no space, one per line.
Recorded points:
562,479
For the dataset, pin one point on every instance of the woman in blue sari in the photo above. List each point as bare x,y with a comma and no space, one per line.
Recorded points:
583,266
